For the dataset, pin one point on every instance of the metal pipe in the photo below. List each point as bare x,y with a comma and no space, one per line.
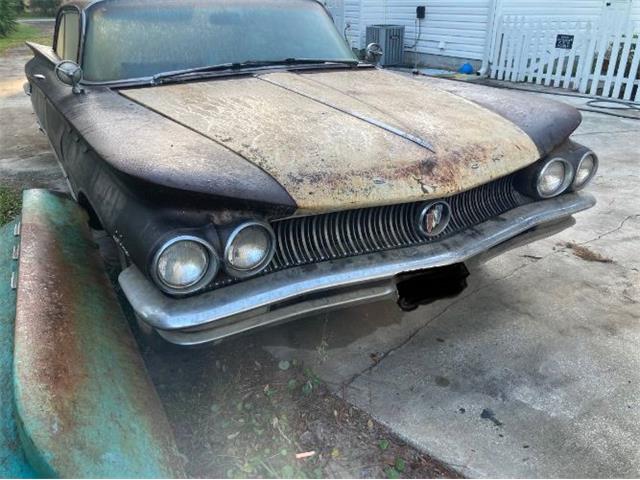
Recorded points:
488,41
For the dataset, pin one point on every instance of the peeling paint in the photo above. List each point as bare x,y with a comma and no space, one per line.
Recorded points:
83,398
330,158
13,463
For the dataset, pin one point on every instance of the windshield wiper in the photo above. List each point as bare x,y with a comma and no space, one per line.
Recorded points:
159,77
303,61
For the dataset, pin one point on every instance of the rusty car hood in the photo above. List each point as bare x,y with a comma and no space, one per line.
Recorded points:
344,139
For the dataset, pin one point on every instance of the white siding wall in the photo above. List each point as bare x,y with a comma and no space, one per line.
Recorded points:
463,25
352,11
460,24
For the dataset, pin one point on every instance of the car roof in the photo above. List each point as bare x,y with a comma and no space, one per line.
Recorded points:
84,4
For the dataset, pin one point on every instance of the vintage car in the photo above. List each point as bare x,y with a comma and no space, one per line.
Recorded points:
252,170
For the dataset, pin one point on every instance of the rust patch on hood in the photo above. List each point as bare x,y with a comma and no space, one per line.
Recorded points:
309,131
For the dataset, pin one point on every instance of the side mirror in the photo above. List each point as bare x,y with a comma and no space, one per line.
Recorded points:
373,53
69,73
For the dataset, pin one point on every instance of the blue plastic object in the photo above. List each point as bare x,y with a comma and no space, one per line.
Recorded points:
466,68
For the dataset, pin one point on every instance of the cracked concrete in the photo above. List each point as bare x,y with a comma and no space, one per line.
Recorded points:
534,370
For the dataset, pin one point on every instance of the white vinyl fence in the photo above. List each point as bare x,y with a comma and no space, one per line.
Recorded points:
598,58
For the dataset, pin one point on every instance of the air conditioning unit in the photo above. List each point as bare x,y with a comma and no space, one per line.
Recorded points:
391,40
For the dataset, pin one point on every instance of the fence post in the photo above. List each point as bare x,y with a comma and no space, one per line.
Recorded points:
568,74
613,58
497,49
602,46
633,71
624,58
586,58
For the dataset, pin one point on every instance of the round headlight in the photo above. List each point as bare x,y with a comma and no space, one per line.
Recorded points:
184,264
586,170
554,178
249,249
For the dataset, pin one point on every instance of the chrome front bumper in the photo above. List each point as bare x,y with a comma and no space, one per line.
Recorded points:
299,291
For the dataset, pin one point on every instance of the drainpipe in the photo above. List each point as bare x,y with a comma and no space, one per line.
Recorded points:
488,40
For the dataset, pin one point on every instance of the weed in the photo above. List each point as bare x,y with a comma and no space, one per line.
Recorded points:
587,254
10,202
23,33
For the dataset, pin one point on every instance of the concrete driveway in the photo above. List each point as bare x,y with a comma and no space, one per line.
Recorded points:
25,155
534,371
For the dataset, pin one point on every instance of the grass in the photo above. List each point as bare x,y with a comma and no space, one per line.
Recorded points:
10,201
24,33
28,15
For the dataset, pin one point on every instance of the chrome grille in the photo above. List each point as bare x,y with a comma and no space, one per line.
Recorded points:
303,240
317,238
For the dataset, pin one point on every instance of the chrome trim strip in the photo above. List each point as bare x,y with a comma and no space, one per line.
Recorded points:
377,123
254,296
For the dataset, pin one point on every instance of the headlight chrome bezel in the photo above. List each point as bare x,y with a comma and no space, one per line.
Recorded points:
566,181
213,266
236,272
592,174
527,180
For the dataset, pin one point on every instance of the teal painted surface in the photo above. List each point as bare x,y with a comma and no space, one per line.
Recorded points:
85,403
13,463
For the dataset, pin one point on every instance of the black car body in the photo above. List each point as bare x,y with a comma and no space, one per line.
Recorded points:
247,189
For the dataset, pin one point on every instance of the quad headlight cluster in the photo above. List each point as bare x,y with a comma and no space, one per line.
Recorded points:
186,263
557,174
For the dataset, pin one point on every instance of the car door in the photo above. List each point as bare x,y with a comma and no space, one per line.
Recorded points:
48,93
66,47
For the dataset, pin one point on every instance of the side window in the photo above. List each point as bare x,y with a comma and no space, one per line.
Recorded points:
60,37
68,36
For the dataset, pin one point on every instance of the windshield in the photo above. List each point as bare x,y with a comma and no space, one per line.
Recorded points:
128,39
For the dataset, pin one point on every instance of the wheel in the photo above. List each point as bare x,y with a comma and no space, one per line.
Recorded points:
405,305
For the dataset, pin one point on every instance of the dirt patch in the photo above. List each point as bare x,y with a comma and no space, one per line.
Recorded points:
587,254
239,413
